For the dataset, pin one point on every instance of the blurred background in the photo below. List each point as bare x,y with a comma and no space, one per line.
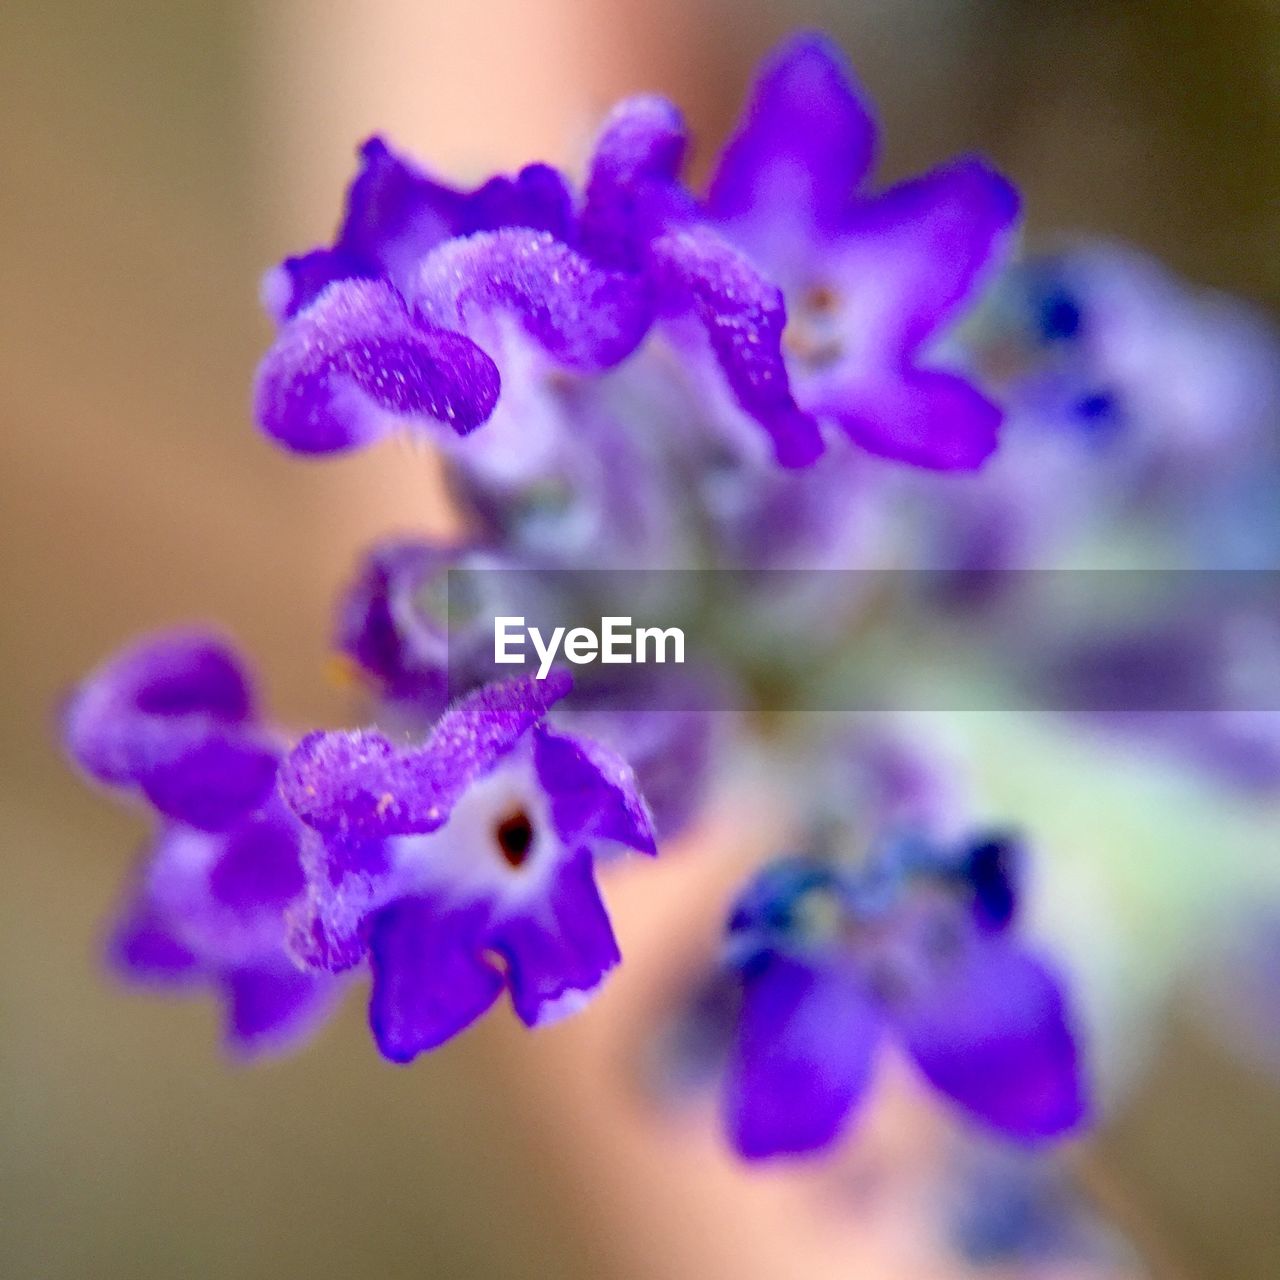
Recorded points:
157,157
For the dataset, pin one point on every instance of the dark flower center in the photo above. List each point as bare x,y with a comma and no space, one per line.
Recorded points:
515,837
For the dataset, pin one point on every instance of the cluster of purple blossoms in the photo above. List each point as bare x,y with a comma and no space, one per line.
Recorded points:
173,721
633,375
916,946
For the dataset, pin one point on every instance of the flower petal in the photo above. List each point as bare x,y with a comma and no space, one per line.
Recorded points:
212,783
360,786
634,188
269,1009
593,792
395,214
382,629
342,372
743,317
429,979
582,316
802,1060
925,418
172,715
347,881
928,244
996,1039
904,266
144,949
806,140
558,957
537,197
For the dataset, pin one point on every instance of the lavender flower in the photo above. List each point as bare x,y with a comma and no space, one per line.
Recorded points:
917,947
431,299
464,866
173,718
870,280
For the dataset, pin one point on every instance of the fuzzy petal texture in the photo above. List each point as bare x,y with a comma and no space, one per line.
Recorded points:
995,1037
361,787
742,317
558,957
396,215
356,365
802,1060
584,317
430,980
347,882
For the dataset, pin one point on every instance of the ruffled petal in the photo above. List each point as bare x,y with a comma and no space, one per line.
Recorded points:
559,953
430,980
582,316
173,716
995,1037
395,214
743,317
361,787
802,1059
592,791
355,365
537,197
347,882
806,140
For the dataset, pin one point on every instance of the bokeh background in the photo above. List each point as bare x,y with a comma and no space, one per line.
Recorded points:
156,157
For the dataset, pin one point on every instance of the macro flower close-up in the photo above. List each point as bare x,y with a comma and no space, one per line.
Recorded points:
693,690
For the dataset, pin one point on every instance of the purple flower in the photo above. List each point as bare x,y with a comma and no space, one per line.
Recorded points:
416,621
420,312
464,866
431,344
639,218
396,214
870,280
207,912
918,948
1125,353
173,718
